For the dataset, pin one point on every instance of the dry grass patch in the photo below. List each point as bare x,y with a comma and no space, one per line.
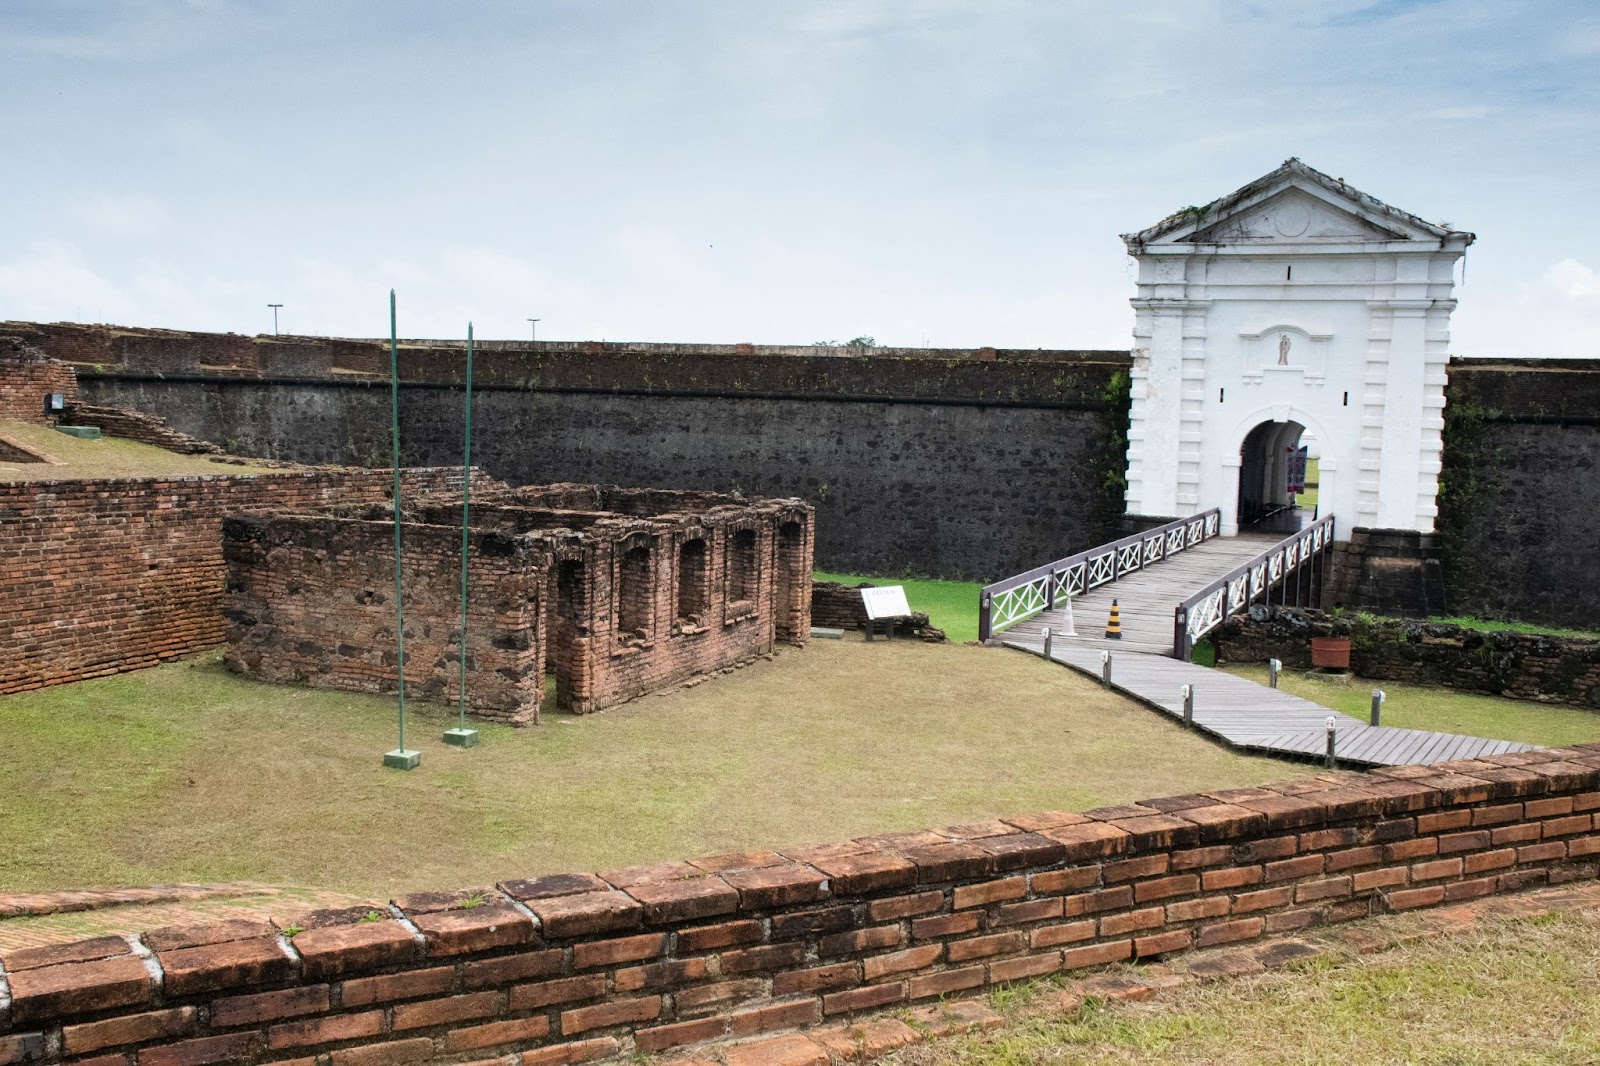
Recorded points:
187,773
1515,990
107,457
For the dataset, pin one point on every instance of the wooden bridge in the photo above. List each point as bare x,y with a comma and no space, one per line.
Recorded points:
1177,593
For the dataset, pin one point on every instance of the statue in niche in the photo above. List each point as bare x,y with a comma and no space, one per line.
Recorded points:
1283,349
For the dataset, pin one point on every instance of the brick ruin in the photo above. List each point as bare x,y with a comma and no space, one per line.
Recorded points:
615,592
27,376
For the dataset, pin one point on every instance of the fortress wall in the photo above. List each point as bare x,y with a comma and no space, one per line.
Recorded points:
1518,519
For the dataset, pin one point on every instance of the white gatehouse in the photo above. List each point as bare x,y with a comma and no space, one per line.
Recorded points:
1295,311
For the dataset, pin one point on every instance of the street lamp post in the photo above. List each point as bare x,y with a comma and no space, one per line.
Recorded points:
533,329
274,318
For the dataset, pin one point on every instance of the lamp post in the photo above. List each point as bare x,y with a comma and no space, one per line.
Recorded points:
274,318
533,329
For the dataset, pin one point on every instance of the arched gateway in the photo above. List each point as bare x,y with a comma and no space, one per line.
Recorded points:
1296,305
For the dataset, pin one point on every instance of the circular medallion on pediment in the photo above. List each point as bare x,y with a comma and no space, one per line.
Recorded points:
1291,220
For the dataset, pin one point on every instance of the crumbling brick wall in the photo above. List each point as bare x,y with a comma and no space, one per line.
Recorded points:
98,577
27,376
574,967
137,426
1526,666
613,606
311,601
637,603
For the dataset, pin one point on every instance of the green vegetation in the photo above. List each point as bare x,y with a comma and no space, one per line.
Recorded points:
185,772
950,605
1513,990
1441,709
1307,500
104,458
1489,626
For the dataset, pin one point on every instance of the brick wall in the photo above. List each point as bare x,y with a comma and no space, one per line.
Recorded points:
310,600
637,603
1526,666
27,377
97,577
1394,571
137,426
563,968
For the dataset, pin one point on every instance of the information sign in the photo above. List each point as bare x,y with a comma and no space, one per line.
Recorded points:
886,602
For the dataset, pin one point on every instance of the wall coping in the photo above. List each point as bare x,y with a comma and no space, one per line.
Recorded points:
650,957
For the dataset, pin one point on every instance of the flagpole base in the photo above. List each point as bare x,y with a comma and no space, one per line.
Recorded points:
402,759
461,738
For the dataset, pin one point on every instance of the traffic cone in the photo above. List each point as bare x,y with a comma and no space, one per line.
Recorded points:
1114,623
1070,630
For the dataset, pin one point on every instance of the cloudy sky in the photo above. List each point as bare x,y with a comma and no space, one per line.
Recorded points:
941,172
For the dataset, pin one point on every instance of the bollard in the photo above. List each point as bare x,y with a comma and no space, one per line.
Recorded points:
1378,696
1105,669
1273,666
1330,761
1047,642
1188,706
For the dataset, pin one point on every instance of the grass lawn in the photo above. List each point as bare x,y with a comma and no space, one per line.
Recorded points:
1514,990
186,773
950,605
1443,710
103,458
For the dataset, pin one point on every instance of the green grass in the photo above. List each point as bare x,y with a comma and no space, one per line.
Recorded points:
1307,500
185,772
1512,991
1441,709
1487,626
950,605
107,457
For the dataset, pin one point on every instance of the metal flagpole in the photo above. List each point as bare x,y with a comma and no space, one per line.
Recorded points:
400,758
461,736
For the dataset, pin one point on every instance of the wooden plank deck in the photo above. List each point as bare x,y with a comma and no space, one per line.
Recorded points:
1237,711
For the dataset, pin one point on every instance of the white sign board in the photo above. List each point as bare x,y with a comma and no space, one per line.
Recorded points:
889,602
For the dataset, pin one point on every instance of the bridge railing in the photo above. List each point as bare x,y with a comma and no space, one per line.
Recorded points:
1244,585
1020,597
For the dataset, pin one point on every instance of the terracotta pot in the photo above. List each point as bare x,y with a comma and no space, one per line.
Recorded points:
1332,653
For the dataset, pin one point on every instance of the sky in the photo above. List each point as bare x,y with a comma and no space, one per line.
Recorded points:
947,173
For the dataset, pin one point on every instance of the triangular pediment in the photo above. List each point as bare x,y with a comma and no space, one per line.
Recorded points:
1293,216
1294,204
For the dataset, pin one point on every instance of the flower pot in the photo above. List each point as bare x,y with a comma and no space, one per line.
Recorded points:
1330,653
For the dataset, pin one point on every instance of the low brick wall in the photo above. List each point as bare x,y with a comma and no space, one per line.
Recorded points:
137,426
98,577
1524,666
570,967
310,600
839,606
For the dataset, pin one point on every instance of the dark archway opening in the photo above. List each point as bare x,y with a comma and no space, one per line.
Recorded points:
1266,460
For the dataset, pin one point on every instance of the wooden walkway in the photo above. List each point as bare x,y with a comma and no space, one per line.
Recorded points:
1235,710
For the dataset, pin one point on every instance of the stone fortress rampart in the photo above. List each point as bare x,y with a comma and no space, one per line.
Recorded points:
957,463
